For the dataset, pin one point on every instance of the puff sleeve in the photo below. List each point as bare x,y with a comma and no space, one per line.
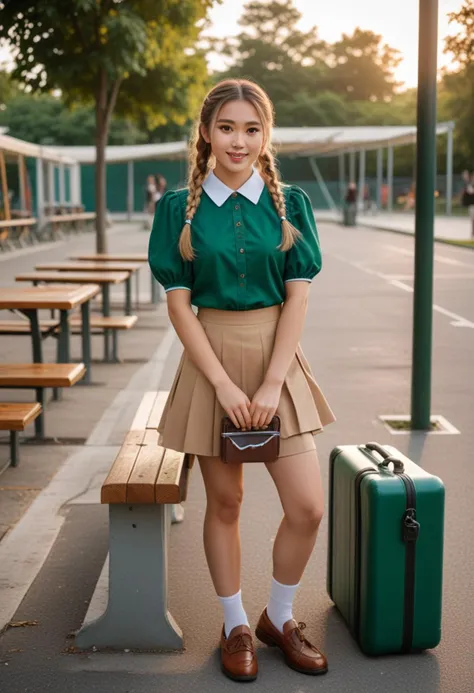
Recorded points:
303,261
164,258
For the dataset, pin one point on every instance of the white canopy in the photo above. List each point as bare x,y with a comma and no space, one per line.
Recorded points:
12,145
293,141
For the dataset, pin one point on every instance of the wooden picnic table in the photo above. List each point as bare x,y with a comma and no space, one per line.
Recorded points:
70,266
104,279
30,299
123,257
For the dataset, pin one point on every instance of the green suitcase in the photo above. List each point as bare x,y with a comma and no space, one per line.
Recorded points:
385,548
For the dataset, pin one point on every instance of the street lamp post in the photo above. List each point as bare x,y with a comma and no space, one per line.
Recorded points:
424,215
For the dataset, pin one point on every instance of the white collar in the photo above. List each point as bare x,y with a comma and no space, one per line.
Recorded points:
219,192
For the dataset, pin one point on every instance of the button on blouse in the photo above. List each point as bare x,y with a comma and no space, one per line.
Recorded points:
238,265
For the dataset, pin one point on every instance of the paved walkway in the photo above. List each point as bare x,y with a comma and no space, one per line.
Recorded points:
450,228
358,341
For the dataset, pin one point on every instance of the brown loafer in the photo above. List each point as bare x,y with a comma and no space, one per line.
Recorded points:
300,654
238,658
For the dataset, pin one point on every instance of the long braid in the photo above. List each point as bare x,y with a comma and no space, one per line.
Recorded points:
197,173
289,233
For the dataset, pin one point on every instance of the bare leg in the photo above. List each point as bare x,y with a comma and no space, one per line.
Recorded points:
224,491
299,486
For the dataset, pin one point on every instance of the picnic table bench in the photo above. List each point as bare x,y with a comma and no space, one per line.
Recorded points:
72,221
14,417
123,257
29,301
39,376
104,279
143,484
97,266
23,226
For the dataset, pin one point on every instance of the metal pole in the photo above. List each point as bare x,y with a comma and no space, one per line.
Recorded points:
379,177
40,192
424,215
342,176
51,186
360,196
449,172
324,189
390,179
352,167
22,180
130,191
62,184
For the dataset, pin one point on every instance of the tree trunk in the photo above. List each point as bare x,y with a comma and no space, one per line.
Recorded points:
105,104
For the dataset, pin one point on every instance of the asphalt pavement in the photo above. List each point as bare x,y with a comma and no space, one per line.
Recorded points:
358,341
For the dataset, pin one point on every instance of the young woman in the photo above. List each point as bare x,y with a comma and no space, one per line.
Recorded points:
244,248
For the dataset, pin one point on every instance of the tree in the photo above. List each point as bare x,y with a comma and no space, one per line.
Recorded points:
326,82
362,68
457,88
273,51
136,55
44,119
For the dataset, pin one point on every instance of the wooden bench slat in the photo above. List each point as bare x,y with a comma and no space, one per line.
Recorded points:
151,437
23,326
141,484
74,277
156,412
143,412
144,472
106,257
40,374
113,322
168,487
114,488
15,416
5,223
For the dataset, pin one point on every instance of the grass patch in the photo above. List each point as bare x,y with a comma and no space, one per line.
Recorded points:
406,425
466,244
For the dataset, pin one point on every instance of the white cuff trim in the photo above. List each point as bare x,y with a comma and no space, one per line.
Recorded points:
173,288
298,280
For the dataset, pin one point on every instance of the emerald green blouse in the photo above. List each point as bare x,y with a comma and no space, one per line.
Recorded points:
235,237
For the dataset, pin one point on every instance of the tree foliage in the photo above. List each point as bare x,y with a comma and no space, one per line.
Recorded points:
133,55
457,89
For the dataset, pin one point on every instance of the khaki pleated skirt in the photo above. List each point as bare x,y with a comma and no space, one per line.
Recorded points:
243,342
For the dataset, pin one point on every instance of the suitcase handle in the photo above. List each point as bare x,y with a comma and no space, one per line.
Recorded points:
397,464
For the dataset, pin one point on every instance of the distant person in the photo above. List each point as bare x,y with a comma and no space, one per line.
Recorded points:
410,198
467,196
351,194
160,184
350,207
150,202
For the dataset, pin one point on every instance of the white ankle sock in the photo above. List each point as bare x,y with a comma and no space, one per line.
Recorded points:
280,604
234,612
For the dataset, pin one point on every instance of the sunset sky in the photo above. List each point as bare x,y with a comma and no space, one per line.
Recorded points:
396,21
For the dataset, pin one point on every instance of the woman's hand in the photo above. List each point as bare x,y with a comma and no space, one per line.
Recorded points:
235,403
264,404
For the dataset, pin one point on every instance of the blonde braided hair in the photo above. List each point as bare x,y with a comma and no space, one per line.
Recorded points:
266,164
201,156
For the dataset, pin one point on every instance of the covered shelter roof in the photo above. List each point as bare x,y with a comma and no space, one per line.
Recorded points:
301,141
14,146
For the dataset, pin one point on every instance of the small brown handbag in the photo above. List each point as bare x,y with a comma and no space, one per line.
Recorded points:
257,445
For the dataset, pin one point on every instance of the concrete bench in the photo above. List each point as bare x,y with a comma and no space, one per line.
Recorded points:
143,484
15,417
39,376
